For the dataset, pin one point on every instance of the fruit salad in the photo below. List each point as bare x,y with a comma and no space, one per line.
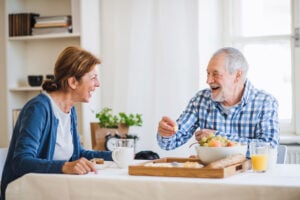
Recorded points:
217,141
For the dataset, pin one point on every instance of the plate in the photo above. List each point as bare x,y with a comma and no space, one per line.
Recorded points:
106,164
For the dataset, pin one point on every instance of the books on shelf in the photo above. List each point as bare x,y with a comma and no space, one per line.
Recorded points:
53,21
52,25
51,30
20,24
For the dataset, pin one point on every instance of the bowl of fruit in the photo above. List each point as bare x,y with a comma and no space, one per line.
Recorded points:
213,148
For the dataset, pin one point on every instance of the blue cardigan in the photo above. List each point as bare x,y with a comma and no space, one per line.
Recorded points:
33,141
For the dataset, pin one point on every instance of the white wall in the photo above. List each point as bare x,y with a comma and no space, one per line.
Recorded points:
3,92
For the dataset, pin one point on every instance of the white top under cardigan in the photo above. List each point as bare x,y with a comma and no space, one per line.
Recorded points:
64,143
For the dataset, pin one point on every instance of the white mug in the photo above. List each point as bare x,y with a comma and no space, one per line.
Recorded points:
123,154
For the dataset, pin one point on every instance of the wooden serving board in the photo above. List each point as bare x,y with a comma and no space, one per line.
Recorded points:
142,170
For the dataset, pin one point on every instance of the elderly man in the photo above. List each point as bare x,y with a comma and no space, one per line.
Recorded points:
231,107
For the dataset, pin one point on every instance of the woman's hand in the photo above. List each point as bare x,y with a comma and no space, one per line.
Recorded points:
203,133
80,166
167,127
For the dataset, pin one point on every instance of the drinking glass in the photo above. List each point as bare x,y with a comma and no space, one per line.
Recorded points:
259,152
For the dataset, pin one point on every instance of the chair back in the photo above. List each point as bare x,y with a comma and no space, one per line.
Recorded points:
281,154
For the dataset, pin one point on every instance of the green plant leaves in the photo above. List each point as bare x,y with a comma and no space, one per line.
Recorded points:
108,120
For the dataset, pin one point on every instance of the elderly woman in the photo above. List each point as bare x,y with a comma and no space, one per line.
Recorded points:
45,138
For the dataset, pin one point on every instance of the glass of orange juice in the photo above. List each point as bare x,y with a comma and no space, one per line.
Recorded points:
259,155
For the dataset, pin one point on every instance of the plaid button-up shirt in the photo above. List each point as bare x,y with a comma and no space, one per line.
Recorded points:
255,117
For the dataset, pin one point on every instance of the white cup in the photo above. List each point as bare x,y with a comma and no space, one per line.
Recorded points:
123,154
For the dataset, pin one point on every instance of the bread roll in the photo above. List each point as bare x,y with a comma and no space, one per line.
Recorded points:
228,161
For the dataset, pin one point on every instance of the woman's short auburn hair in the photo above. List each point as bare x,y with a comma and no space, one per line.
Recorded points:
72,62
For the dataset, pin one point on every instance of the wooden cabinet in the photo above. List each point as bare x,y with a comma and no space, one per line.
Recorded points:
36,55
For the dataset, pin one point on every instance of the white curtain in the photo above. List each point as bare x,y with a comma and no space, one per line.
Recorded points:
150,64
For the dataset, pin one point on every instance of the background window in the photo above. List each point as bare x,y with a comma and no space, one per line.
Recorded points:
261,29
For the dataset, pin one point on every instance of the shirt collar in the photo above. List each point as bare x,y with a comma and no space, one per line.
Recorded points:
247,92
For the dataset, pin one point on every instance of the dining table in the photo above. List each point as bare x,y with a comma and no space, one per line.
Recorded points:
113,183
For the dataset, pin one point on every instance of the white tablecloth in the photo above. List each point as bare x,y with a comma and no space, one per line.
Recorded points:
111,183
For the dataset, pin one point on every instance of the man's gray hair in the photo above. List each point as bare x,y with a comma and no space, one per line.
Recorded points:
235,60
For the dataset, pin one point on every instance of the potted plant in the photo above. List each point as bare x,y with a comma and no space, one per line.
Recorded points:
110,124
108,120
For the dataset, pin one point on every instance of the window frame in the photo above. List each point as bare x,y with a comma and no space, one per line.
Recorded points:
230,39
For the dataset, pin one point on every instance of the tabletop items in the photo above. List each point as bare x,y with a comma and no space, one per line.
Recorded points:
186,167
263,156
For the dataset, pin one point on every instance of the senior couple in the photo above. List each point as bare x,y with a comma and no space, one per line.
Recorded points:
45,138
